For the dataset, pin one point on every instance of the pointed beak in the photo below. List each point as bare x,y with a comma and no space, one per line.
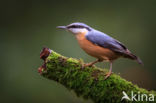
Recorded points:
61,27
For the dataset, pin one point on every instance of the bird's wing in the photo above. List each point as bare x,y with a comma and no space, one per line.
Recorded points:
106,41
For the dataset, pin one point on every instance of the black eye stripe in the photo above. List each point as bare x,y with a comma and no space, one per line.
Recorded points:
76,26
79,26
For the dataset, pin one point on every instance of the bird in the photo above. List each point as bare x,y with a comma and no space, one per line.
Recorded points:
99,45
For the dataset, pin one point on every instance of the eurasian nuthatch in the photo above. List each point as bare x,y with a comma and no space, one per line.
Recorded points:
99,44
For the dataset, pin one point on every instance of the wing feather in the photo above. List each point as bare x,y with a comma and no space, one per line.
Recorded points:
106,41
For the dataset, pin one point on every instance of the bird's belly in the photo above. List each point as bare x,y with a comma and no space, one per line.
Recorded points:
96,51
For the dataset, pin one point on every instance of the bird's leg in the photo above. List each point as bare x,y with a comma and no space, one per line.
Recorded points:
91,63
110,71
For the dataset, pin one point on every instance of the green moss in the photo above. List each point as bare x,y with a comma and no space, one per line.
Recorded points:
88,82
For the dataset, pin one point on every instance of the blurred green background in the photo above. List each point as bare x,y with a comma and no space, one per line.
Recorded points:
27,26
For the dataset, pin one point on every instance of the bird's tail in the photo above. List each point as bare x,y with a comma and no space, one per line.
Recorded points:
133,57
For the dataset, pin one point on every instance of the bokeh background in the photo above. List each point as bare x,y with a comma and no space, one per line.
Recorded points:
27,26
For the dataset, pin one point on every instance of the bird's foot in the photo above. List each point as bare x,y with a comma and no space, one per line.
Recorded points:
107,75
87,65
90,64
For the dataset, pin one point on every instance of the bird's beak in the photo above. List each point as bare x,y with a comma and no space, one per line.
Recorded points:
61,27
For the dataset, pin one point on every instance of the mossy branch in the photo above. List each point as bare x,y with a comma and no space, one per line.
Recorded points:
87,82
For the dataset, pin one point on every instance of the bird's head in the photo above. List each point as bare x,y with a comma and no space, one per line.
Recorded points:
76,28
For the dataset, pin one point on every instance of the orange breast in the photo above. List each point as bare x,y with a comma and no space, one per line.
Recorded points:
94,50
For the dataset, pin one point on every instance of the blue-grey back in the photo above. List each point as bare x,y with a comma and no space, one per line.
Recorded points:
105,41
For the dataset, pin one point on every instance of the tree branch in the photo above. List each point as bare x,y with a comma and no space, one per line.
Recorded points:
87,82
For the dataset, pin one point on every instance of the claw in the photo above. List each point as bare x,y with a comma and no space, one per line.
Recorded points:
86,65
110,72
89,64
108,75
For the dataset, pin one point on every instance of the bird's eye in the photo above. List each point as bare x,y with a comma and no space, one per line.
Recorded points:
72,26
75,26
78,26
